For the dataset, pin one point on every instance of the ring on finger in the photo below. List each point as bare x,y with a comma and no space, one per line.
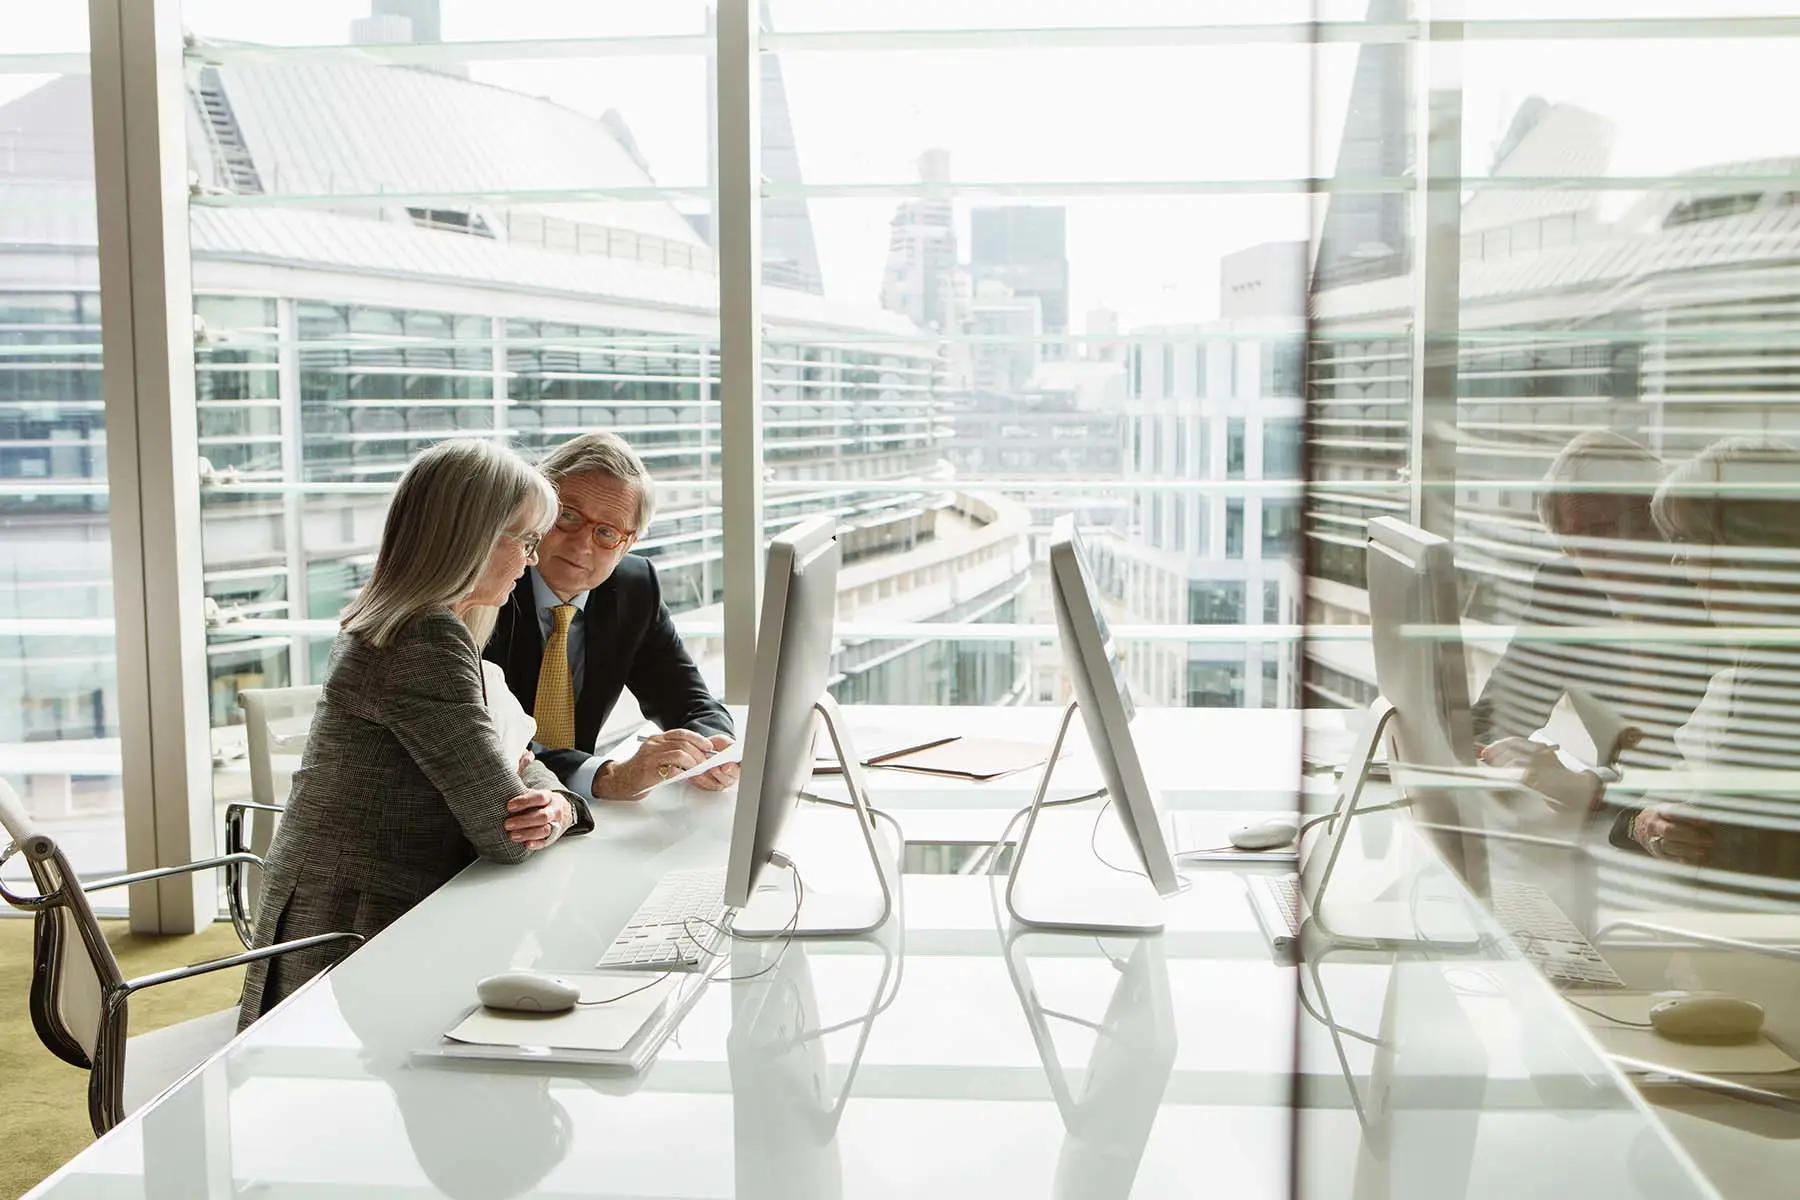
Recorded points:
662,772
1656,845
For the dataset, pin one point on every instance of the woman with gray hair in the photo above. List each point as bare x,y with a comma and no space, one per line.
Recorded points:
405,779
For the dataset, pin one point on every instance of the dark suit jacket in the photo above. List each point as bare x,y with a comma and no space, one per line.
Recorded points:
404,783
628,641
1653,682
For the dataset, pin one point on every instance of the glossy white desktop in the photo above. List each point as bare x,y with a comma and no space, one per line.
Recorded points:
916,1061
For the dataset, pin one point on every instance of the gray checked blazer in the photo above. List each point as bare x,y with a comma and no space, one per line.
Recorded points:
403,784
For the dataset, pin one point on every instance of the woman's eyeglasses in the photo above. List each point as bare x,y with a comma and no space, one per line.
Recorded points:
608,538
528,540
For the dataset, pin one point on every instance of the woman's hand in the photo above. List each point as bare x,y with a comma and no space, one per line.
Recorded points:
525,760
536,819
662,756
1665,834
1544,772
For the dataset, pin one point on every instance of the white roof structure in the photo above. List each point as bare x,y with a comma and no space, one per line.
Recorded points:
343,128
313,130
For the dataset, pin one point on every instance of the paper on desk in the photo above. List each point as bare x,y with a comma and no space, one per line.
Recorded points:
607,1027
1760,1057
730,754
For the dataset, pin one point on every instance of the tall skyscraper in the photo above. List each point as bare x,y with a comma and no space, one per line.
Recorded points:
1025,248
1365,235
789,252
921,279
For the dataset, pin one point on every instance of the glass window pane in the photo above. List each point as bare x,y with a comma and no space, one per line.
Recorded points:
59,711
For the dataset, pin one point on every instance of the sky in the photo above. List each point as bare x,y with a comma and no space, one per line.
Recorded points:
1115,114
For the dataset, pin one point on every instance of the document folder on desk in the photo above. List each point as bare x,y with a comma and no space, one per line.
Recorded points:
619,1022
877,749
975,758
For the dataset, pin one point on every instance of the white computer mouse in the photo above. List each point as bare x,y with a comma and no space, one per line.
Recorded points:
1705,1017
1264,835
527,992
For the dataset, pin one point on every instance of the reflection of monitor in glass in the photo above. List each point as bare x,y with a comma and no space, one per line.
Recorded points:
786,1100
1104,697
1416,626
1108,1121
787,688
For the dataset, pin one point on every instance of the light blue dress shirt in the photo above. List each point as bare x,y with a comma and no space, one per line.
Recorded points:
582,782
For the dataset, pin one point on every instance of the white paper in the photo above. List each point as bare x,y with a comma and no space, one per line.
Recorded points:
516,726
730,754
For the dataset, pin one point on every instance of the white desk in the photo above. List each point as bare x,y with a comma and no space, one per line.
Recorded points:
1181,1056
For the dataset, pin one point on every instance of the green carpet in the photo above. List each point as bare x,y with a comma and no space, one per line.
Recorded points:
46,1099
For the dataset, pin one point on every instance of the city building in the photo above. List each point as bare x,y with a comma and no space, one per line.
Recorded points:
1025,247
922,280
1213,434
1006,331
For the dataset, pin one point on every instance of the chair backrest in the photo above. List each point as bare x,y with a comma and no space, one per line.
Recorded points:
72,966
275,722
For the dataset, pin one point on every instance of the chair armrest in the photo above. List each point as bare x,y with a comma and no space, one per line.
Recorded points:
204,864
238,960
237,889
234,822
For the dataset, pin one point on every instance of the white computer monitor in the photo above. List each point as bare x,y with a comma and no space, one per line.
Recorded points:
1104,697
787,689
1415,624
1056,890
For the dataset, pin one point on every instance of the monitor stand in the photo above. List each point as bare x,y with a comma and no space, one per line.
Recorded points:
819,841
1052,897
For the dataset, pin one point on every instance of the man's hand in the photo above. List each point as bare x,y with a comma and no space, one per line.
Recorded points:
662,756
536,819
721,776
1679,838
525,760
1544,772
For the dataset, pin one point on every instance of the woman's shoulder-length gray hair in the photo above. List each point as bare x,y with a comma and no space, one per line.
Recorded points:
1740,492
453,504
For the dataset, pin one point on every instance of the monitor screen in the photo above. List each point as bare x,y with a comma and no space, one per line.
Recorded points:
1109,643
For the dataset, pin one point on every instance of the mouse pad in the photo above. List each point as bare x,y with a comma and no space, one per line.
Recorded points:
1759,1057
604,1026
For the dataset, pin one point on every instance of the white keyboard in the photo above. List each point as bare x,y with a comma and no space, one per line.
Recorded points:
1549,940
678,926
1544,933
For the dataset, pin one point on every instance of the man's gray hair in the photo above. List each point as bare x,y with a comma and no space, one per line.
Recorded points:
1738,492
603,454
455,502
1600,484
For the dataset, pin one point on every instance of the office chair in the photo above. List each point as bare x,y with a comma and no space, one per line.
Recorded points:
264,709
78,995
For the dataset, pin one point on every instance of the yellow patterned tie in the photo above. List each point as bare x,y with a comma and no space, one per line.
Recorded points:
556,687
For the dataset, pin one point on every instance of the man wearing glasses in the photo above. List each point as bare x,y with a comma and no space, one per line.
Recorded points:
588,621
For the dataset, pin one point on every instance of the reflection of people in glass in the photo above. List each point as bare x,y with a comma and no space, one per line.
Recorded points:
1596,503
488,1135
1108,1124
1736,526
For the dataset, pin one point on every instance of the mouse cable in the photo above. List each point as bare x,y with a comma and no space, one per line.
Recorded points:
1608,1016
622,995
785,933
1094,846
